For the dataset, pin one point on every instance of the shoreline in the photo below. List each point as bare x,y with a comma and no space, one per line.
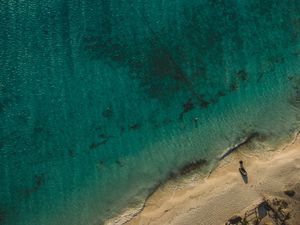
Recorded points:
175,201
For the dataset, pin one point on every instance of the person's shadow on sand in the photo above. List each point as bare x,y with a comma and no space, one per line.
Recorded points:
243,172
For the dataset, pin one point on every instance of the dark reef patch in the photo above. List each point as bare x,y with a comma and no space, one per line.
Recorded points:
135,126
168,62
104,136
242,75
221,94
192,166
188,106
161,65
233,86
39,180
162,76
93,146
118,162
97,144
122,129
204,103
71,153
107,113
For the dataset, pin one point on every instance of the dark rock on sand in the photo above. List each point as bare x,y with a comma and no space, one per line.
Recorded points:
234,220
290,193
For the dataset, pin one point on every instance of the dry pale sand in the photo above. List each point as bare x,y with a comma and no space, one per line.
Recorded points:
214,199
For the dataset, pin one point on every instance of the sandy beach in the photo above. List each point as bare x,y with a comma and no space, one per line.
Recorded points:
223,194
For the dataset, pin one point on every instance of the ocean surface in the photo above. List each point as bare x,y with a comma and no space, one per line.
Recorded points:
103,100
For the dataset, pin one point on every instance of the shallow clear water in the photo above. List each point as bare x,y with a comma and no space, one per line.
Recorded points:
100,101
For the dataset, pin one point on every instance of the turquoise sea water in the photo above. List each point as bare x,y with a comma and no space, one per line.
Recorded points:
100,101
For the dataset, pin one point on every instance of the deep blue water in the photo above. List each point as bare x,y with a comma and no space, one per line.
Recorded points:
100,101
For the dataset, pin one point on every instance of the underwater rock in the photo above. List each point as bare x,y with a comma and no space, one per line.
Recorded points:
122,129
233,86
71,153
38,182
221,93
39,179
108,113
93,146
119,163
135,126
204,103
96,145
103,135
188,106
242,75
192,166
